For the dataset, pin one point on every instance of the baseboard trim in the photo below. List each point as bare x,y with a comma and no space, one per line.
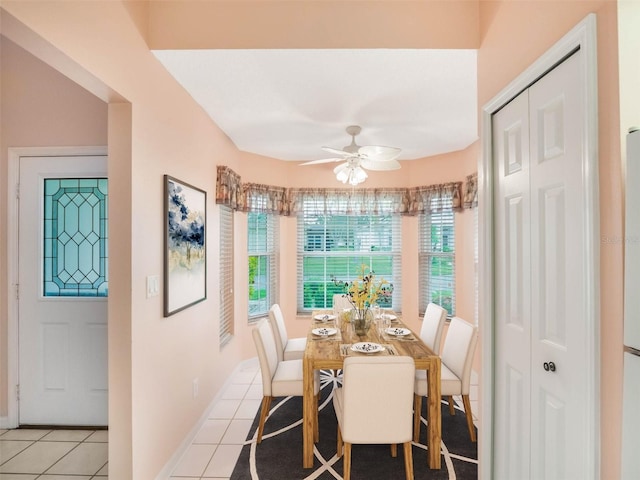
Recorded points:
4,423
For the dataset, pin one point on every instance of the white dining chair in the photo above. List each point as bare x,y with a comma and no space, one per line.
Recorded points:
374,406
288,348
433,326
340,302
279,378
455,374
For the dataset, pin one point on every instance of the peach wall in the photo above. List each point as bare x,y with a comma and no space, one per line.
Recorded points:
40,107
513,36
325,24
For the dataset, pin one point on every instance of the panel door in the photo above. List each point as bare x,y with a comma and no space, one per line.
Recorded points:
513,289
559,237
63,280
540,284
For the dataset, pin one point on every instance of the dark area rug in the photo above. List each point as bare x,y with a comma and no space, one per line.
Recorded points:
279,456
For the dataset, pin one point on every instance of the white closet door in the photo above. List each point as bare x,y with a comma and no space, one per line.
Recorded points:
513,289
540,233
559,237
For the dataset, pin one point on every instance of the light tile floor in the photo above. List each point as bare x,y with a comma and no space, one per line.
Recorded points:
30,454
27,454
215,449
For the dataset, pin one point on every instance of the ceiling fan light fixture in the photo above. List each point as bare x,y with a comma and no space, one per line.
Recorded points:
353,175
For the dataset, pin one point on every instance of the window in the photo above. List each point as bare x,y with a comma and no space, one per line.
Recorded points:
75,237
437,256
335,246
226,274
262,249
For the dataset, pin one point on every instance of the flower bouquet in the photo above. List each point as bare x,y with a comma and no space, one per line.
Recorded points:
362,293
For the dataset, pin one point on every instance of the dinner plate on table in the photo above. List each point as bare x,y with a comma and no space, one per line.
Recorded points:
324,332
397,331
324,317
390,316
367,347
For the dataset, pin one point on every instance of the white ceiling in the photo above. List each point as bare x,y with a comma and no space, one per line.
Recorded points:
287,104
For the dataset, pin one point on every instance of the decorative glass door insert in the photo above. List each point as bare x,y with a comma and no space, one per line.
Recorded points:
75,237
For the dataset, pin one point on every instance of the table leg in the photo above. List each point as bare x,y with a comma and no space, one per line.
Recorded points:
307,413
434,420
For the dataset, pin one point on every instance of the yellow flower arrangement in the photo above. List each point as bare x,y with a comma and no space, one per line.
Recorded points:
364,291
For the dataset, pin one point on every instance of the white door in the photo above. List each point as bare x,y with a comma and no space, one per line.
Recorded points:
62,338
541,338
513,288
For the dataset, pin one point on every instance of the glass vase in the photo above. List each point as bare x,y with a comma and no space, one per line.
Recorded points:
362,321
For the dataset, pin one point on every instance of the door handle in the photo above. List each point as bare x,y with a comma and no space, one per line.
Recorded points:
549,366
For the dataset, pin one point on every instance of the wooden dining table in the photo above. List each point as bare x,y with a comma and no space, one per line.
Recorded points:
329,352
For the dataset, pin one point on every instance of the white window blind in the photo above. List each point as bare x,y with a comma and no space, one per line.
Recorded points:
262,249
335,246
437,257
226,274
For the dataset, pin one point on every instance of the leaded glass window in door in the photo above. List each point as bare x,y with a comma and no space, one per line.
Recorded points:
75,237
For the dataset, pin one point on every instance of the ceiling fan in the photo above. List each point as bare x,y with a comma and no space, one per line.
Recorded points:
357,158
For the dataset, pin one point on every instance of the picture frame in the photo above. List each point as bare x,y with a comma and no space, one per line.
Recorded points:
185,247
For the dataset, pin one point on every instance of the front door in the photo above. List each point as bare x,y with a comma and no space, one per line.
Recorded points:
63,282
541,427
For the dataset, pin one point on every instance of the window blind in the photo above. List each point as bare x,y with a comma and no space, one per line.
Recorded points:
262,249
226,275
335,246
437,257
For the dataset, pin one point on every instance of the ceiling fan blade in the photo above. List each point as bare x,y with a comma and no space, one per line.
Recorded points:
379,153
322,160
377,165
336,151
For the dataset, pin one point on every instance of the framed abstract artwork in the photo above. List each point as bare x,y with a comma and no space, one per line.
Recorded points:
185,263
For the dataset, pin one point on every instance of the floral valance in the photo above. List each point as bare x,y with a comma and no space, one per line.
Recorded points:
471,191
264,199
433,198
228,187
349,201
254,197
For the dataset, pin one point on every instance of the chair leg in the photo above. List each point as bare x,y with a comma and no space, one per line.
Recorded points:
417,408
408,460
469,414
452,410
394,450
339,445
266,405
346,462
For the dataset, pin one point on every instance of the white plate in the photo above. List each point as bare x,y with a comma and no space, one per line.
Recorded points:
325,318
367,347
324,332
399,331
389,316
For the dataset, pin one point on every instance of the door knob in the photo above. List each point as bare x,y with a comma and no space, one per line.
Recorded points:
549,366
